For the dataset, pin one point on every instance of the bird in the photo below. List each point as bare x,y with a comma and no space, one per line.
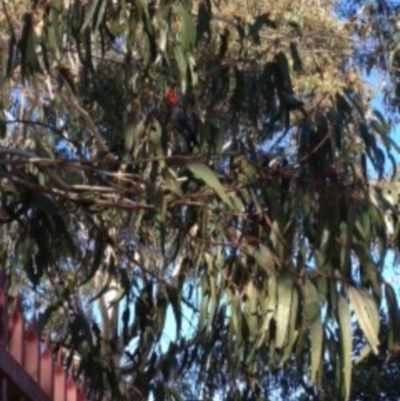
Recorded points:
179,119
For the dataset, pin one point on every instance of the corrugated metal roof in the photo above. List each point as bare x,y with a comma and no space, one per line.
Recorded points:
28,371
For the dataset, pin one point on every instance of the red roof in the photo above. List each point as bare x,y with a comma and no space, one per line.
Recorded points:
26,370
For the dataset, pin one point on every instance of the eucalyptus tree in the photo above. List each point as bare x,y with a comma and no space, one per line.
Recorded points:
208,158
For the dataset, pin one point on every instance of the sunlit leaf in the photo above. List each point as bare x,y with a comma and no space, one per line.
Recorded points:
312,304
204,173
345,344
316,337
367,316
188,30
95,15
282,313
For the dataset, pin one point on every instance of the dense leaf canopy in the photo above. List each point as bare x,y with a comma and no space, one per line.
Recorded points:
215,162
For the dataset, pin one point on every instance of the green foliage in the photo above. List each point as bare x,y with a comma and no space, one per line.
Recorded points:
184,159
